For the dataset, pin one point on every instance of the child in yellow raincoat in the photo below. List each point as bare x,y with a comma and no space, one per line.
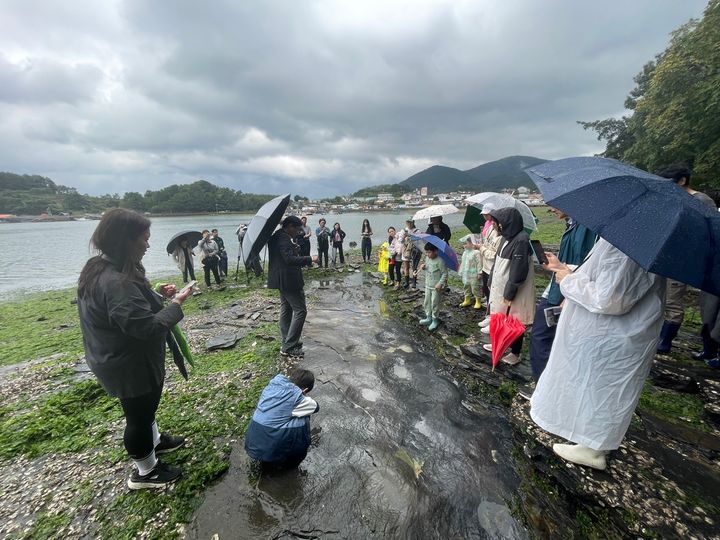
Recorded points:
383,263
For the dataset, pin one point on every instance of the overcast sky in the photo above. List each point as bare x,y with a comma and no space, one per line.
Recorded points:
310,97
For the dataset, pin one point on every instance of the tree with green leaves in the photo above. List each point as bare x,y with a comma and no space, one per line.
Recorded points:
675,106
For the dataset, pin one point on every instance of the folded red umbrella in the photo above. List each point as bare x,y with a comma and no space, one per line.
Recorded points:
504,329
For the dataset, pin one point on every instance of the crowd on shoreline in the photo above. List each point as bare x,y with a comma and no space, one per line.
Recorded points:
595,329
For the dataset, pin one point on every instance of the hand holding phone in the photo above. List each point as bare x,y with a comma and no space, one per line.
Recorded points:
539,251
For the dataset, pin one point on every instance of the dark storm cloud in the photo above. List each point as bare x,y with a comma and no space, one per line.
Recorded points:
325,97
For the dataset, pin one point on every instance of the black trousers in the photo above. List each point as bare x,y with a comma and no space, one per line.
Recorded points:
223,263
710,346
305,247
188,270
139,417
210,264
293,311
366,247
485,286
516,346
541,340
323,248
395,270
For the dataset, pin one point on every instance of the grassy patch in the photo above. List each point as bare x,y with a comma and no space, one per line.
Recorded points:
69,421
39,325
47,525
550,229
676,407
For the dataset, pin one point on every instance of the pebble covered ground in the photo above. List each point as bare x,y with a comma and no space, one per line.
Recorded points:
73,494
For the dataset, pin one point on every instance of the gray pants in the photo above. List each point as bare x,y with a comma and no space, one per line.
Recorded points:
675,301
292,317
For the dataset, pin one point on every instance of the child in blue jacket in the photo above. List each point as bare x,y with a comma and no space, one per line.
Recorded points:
279,432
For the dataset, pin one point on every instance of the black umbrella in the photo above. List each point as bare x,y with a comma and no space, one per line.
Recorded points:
262,226
192,237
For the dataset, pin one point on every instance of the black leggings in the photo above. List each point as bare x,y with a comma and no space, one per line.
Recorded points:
516,346
139,417
395,271
366,248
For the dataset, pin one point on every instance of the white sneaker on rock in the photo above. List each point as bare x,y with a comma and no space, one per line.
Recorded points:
485,330
485,322
581,455
511,359
488,347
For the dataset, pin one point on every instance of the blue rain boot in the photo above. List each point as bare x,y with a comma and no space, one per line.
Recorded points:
435,323
426,321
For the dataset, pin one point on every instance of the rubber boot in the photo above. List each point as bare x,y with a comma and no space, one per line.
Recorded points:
466,302
581,455
434,324
427,321
477,303
414,285
667,334
407,282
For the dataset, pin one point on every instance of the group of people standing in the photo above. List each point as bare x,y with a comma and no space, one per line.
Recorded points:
213,257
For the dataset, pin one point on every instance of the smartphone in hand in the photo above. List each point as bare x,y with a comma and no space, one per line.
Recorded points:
188,286
539,251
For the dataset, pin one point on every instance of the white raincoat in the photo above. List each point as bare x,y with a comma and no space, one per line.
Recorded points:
603,350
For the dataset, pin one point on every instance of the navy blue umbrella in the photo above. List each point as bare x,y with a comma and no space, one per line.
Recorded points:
650,219
445,252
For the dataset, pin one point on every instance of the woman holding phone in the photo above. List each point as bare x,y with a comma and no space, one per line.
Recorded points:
125,327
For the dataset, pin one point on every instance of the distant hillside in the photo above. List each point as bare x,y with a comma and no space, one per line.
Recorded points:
504,173
493,176
33,195
438,178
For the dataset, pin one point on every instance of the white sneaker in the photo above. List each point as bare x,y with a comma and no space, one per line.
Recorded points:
485,330
485,322
488,347
511,359
581,455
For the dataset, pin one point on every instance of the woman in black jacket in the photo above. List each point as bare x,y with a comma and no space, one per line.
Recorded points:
366,245
337,236
125,326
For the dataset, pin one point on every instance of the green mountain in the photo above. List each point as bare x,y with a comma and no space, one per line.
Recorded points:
438,178
504,173
493,176
32,195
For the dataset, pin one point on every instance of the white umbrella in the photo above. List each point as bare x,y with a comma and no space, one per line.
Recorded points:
500,200
435,210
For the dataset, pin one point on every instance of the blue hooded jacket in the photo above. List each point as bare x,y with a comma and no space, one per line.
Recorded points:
280,427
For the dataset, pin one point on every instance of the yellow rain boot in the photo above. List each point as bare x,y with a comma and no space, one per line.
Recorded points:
477,303
466,302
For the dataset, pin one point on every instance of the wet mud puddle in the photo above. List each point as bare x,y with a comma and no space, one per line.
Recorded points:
396,453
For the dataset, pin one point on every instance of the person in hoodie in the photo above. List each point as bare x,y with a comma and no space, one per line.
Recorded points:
512,287
279,432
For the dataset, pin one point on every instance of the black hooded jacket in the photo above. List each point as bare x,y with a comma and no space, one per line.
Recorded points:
516,247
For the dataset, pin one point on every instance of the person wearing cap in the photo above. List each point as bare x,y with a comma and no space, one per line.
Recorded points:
438,228
410,253
285,274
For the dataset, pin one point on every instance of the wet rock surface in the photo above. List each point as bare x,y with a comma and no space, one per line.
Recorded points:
395,452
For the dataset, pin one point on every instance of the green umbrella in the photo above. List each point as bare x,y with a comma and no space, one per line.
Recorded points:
474,219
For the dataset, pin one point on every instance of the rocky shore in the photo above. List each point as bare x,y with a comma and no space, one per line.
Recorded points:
62,468
664,481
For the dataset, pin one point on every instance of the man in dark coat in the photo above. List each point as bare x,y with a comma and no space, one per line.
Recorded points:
285,274
439,228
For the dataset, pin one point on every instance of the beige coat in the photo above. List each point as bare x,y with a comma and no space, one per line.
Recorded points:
523,305
489,250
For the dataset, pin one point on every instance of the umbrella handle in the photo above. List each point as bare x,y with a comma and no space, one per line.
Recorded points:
507,312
